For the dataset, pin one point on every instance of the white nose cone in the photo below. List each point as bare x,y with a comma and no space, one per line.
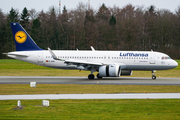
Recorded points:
174,64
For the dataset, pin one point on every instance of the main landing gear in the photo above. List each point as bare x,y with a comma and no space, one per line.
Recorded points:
153,75
99,76
90,76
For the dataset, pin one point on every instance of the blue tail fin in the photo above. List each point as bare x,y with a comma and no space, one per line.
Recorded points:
22,39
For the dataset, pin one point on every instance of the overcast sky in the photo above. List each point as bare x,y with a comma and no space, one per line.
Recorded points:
38,5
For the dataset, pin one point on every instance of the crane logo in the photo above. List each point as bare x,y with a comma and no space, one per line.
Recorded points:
20,37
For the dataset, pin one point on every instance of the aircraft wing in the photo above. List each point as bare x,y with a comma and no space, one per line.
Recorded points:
81,64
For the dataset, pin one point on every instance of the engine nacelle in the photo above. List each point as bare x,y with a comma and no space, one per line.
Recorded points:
110,71
126,72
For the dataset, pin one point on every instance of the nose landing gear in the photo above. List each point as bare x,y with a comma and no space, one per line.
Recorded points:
153,75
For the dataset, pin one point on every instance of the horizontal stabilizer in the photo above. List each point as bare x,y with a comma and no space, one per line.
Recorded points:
17,54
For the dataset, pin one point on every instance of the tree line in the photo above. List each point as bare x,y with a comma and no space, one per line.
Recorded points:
108,28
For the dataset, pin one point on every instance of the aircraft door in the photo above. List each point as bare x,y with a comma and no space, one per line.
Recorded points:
40,58
136,61
152,58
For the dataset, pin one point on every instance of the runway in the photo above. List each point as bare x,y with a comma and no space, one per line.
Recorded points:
85,80
93,96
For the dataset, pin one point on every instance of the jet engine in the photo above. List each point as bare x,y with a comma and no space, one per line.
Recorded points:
109,71
126,72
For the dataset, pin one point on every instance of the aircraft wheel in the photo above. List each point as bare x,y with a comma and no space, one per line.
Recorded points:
90,76
99,76
153,77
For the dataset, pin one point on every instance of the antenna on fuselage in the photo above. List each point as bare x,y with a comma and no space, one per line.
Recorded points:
151,50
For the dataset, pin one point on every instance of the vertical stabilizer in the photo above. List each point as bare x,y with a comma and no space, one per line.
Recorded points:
22,39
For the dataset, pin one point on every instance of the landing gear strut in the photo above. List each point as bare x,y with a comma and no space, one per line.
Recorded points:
153,75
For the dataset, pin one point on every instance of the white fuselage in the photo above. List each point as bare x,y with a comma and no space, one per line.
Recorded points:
128,60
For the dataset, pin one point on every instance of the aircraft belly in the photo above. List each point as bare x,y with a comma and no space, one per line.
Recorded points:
147,67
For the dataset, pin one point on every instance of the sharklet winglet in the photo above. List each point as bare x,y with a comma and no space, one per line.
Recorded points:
53,55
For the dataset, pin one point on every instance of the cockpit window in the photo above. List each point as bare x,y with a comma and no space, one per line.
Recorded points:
165,58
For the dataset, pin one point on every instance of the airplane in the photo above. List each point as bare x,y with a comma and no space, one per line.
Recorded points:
106,63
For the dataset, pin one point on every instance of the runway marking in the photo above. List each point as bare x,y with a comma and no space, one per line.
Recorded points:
93,96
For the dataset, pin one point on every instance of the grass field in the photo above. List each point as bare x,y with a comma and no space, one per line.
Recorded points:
18,68
11,67
157,109
18,89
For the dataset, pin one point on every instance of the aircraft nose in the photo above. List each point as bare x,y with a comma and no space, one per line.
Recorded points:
175,64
